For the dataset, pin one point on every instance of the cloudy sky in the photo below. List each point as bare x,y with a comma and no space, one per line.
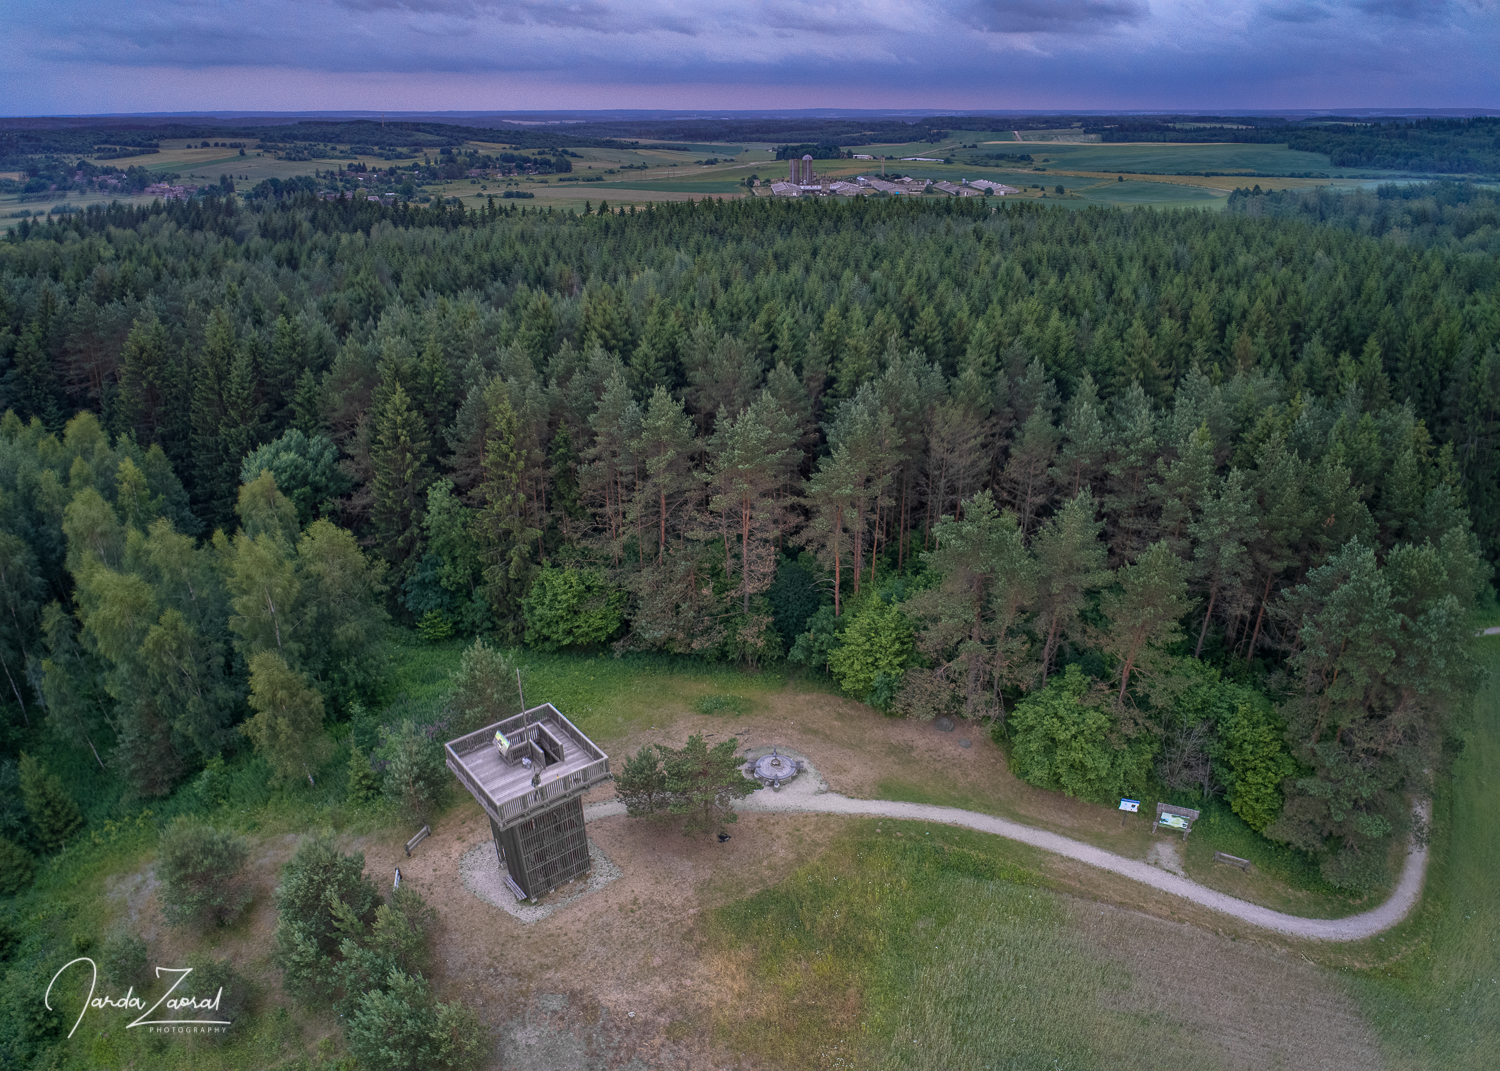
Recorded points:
95,56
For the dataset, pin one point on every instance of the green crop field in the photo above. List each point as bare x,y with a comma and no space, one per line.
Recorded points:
1177,159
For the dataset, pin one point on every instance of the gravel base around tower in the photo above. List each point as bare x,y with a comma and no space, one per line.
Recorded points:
483,877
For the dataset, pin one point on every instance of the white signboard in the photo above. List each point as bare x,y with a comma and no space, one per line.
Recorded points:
1133,806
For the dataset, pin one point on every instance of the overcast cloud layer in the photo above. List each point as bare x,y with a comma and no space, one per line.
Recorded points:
92,56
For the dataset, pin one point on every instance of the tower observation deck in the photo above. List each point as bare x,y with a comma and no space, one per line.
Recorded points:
529,773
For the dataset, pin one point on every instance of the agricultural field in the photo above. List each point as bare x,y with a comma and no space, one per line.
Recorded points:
649,172
1157,174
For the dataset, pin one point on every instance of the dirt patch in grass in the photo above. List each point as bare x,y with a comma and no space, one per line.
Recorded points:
614,976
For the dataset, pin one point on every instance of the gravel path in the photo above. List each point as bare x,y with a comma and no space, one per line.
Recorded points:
810,793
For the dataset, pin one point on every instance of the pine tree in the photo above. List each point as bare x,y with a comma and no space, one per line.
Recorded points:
398,457
830,496
1026,479
1070,560
1221,564
48,804
1080,461
1183,486
284,368
215,468
751,454
245,424
21,593
667,484
1144,615
500,528
143,378
37,392
608,477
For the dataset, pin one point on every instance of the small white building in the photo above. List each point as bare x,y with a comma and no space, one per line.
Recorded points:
785,189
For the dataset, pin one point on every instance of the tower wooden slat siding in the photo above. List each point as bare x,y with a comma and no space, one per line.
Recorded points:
535,808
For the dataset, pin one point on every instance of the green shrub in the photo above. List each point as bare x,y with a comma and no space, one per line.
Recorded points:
435,626
571,607
307,937
415,776
364,782
212,785
877,648
793,597
52,810
200,871
217,978
123,961
816,645
1255,759
484,688
17,867
1062,738
460,1040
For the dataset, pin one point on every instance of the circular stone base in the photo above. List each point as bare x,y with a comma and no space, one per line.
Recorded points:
775,767
485,878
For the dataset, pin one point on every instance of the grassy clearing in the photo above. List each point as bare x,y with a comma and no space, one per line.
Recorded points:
1282,878
1435,995
607,697
908,946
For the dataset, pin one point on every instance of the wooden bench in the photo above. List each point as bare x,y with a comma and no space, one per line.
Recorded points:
421,836
1232,860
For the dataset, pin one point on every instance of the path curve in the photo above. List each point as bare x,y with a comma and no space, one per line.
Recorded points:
811,794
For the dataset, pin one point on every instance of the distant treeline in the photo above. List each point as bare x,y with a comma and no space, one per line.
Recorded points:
1426,215
16,146
1453,146
825,151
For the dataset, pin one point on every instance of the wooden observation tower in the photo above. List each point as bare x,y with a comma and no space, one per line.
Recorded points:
529,773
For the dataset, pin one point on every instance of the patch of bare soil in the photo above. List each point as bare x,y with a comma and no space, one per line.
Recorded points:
1264,1007
614,979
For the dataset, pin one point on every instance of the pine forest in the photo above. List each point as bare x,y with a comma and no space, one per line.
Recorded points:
1201,501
